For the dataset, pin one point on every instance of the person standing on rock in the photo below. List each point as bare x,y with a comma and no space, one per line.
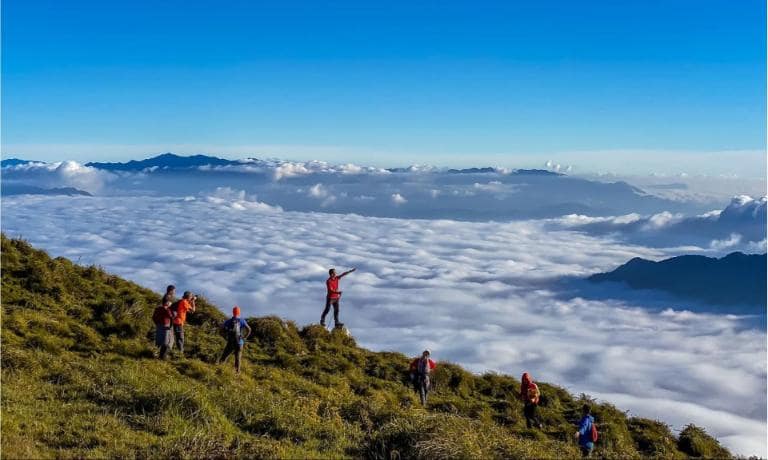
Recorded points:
333,295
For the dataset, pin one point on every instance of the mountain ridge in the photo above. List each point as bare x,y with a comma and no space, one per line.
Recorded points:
81,338
169,160
732,280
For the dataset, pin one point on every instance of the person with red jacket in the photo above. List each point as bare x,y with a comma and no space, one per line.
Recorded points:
530,395
333,295
162,318
420,369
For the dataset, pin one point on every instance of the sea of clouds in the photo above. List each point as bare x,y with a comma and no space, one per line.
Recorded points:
488,295
411,192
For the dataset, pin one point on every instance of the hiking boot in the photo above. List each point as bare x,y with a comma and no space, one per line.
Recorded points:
322,323
339,325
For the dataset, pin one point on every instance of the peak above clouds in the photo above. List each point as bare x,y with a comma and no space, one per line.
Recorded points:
736,280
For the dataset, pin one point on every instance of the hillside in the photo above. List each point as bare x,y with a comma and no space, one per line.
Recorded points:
734,280
79,380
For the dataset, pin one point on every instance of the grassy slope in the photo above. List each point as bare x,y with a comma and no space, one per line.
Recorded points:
79,380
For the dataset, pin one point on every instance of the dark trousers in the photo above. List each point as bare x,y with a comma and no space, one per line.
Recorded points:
328,302
531,417
178,335
235,347
163,339
421,384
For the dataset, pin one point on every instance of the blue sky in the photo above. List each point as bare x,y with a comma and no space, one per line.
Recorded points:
387,83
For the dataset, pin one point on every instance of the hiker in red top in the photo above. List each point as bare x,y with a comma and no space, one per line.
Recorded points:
162,318
186,304
529,394
333,296
420,369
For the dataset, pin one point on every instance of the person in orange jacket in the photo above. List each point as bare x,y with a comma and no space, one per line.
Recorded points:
185,305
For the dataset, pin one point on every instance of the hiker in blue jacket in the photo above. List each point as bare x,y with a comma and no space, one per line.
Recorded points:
235,330
586,429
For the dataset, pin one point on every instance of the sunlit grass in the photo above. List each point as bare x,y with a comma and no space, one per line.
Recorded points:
80,381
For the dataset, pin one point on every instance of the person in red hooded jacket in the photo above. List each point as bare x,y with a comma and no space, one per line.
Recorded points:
420,369
530,395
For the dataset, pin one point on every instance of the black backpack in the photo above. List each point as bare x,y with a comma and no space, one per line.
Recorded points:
233,330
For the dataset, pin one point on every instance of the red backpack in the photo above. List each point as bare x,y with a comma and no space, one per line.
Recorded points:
159,316
593,432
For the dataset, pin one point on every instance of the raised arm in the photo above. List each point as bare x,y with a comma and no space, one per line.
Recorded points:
347,273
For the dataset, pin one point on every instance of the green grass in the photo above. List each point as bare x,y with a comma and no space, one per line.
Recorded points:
80,381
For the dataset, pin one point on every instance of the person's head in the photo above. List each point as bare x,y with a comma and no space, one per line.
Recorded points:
586,409
188,295
332,272
236,311
170,289
527,378
425,354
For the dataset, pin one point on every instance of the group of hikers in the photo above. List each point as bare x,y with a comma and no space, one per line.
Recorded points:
170,318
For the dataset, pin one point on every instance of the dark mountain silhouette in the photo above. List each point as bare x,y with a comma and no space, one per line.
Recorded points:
536,172
487,169
166,160
736,279
15,162
23,189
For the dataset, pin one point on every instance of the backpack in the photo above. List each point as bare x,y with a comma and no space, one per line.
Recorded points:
158,316
532,394
233,330
593,434
422,367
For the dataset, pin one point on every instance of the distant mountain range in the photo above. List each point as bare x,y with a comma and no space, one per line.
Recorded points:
23,189
14,162
521,172
173,161
736,279
166,160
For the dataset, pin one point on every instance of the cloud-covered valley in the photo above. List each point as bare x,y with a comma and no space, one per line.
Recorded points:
484,294
739,226
474,194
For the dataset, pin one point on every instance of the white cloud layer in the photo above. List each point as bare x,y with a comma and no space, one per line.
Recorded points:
60,174
416,191
481,294
739,226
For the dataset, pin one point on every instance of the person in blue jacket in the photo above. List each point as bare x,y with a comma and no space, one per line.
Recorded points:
235,330
584,434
